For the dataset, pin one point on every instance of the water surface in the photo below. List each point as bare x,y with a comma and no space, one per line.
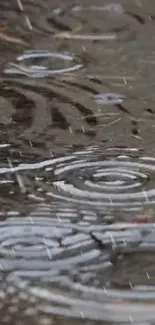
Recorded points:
77,162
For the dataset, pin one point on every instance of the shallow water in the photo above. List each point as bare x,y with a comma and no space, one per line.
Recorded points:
77,162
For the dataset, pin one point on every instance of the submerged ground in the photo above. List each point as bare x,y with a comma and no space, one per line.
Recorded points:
77,162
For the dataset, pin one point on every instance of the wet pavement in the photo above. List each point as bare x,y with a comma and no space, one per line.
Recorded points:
77,162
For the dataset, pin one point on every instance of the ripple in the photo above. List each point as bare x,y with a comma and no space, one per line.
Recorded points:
113,7
91,18
100,181
90,178
100,37
109,99
57,268
41,248
104,180
43,58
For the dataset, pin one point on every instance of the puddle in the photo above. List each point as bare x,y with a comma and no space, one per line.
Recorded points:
77,162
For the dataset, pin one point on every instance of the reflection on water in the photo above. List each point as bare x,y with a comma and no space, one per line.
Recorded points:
77,162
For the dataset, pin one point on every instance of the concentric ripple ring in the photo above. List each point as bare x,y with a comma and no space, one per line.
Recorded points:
104,182
40,70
